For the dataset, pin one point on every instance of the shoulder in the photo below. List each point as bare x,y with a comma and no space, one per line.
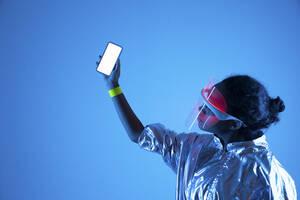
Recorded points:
271,178
159,130
194,138
203,142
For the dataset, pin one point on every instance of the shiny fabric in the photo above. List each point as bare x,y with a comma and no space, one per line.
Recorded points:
205,170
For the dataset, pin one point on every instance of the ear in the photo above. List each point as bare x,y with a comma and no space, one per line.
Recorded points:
235,125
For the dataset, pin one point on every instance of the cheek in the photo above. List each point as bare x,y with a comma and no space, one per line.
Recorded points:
202,117
210,122
213,121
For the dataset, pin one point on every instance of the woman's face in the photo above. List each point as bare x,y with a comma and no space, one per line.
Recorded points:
206,119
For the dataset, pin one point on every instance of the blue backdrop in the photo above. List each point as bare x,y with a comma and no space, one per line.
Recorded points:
61,137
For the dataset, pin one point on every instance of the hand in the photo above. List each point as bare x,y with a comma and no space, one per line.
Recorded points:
113,78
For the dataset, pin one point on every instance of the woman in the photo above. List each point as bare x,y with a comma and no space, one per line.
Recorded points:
235,161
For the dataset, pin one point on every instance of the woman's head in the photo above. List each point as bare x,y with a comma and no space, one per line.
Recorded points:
248,100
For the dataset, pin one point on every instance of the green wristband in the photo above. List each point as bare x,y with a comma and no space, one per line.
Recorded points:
114,92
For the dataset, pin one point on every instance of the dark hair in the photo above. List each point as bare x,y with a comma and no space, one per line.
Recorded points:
249,101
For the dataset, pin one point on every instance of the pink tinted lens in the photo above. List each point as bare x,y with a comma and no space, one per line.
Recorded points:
207,121
215,98
206,117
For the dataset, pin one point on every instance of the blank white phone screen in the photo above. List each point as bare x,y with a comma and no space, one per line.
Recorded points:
109,58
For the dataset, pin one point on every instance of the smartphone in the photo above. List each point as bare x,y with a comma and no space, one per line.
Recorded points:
109,58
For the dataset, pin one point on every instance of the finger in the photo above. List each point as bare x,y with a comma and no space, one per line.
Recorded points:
116,65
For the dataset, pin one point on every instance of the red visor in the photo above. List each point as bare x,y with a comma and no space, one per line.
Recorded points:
209,109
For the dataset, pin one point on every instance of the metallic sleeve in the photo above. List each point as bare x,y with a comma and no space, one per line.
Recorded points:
283,186
157,138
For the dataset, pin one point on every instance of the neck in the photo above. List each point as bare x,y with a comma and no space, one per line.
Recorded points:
225,138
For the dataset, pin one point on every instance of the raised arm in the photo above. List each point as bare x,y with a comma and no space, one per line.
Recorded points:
131,123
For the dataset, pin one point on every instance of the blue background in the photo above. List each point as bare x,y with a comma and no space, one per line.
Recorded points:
61,137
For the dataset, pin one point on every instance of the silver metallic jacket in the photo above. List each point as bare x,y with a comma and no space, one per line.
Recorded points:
248,170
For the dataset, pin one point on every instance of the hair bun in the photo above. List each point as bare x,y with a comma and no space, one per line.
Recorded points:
277,104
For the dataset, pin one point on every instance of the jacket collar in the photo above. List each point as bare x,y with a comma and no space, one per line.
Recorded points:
241,145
